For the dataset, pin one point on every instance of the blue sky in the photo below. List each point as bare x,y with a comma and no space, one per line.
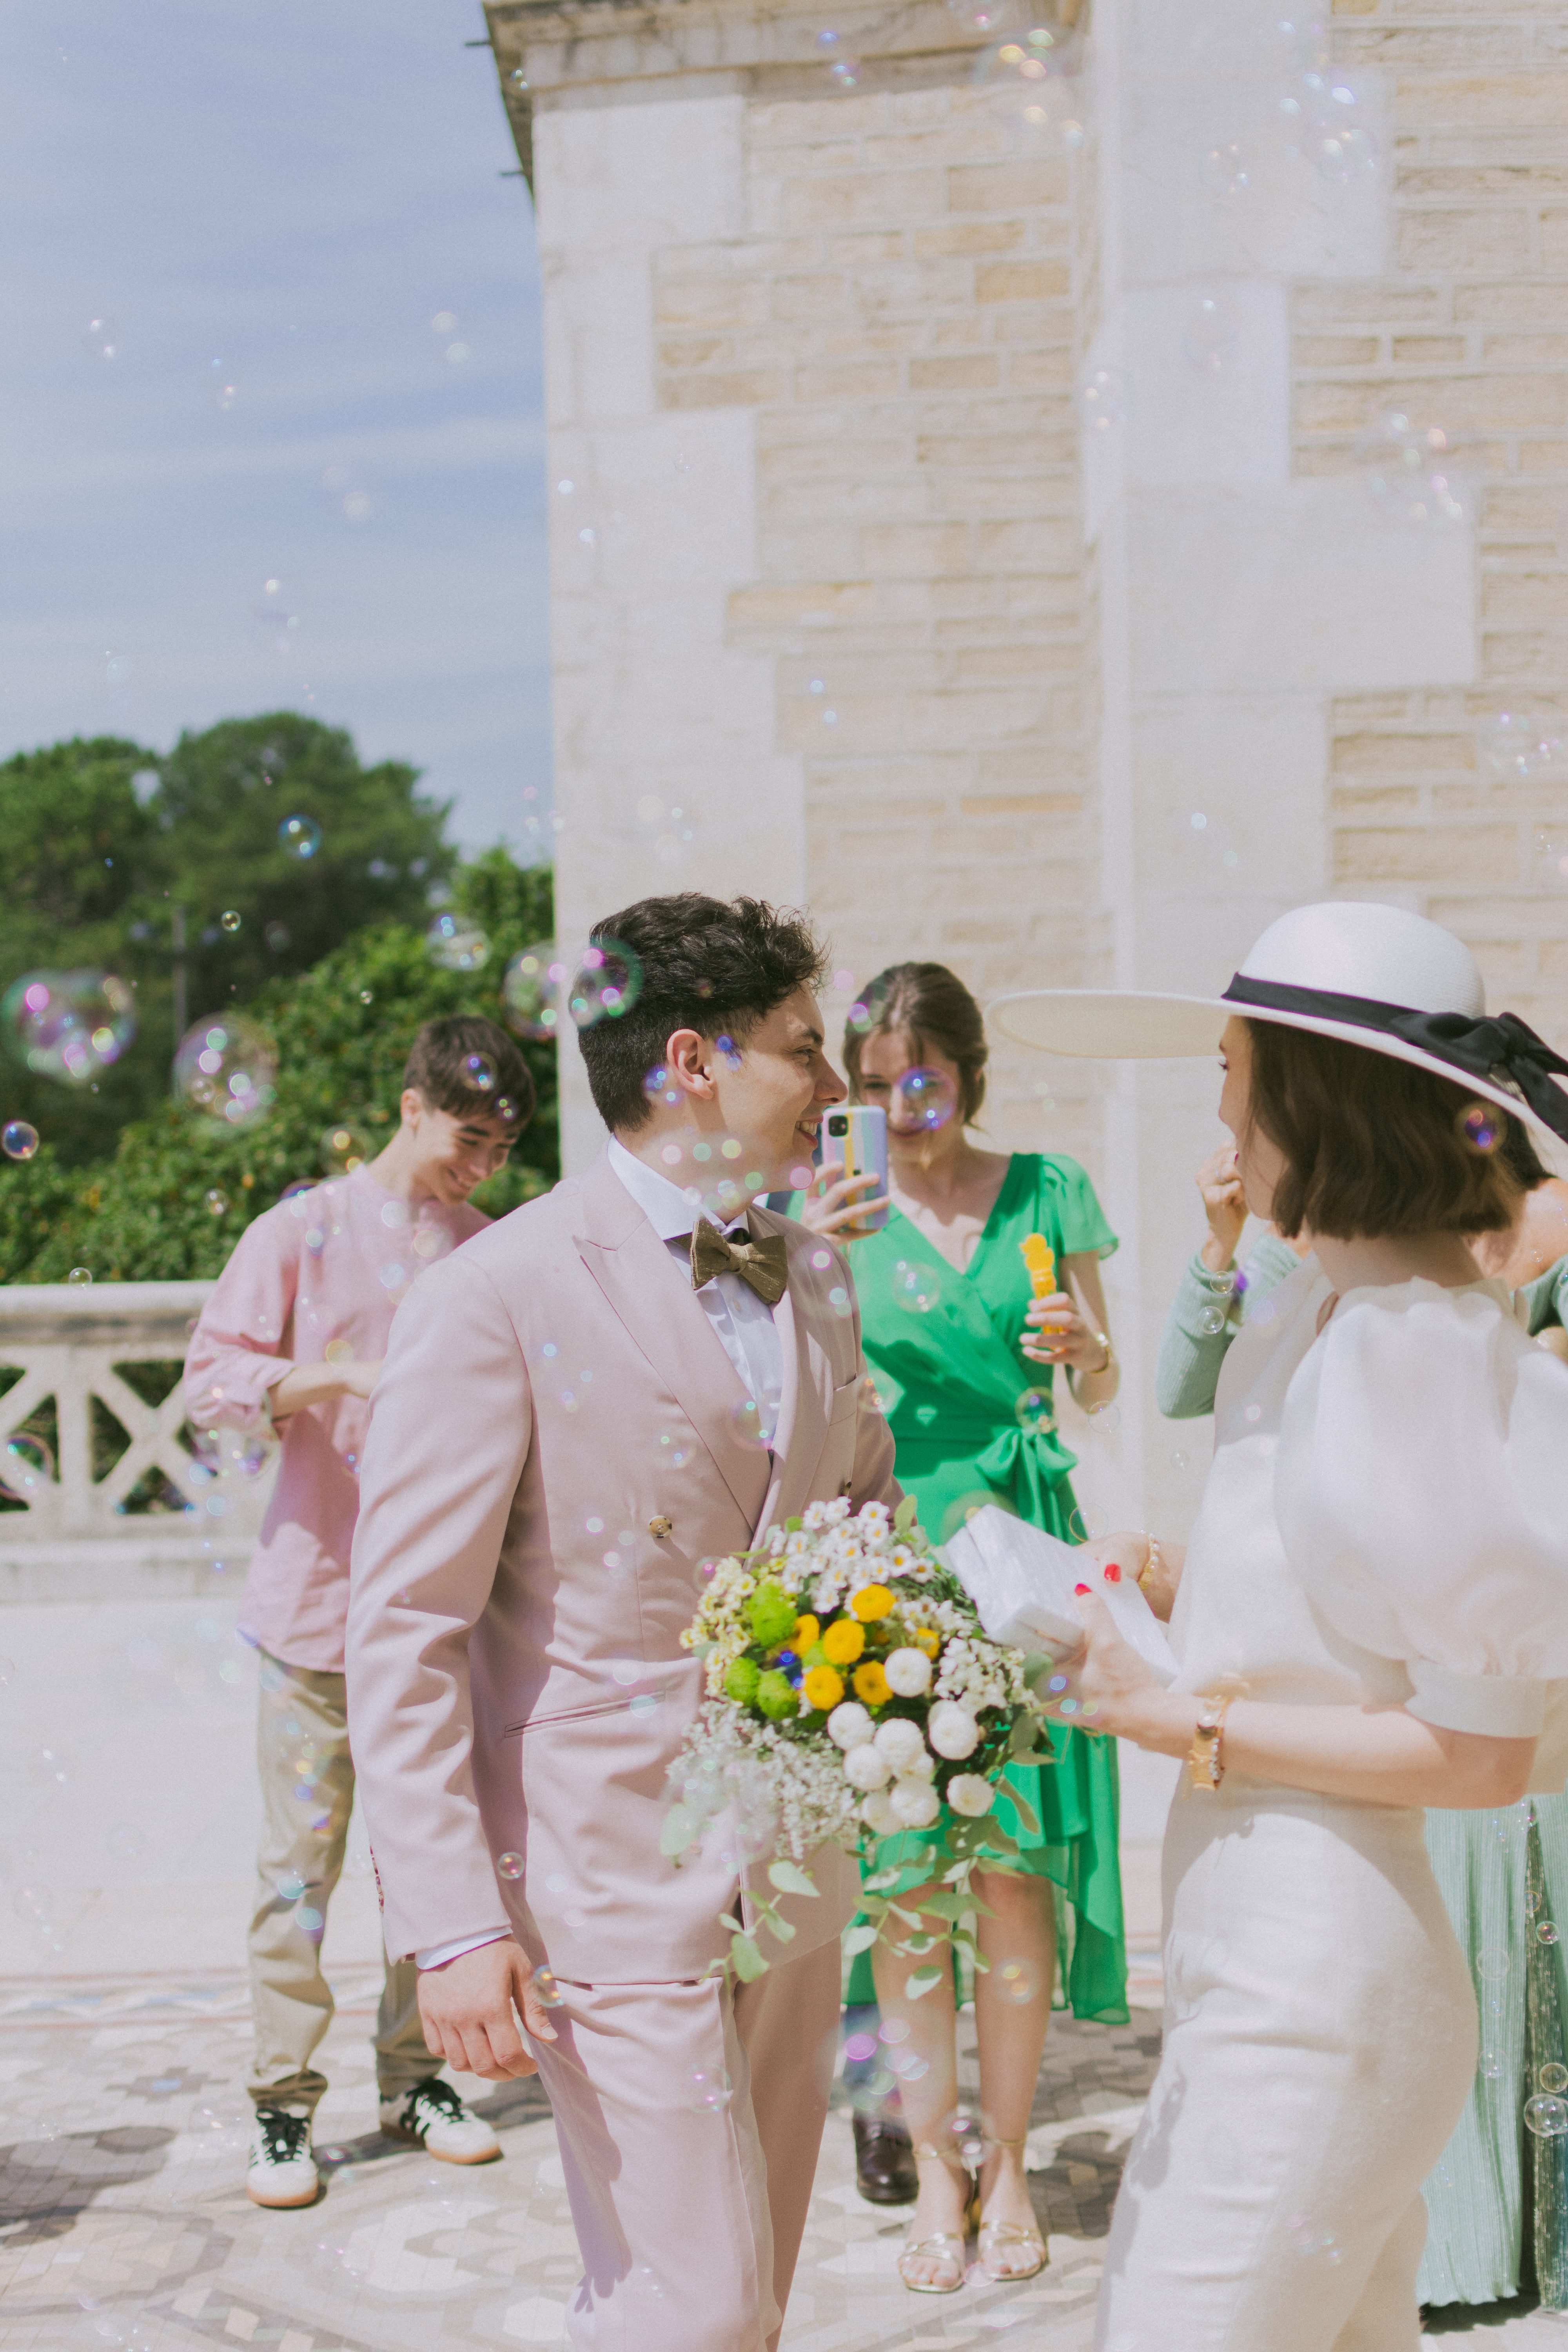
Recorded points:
270,206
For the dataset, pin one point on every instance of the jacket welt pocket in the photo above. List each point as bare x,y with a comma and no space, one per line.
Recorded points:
568,1714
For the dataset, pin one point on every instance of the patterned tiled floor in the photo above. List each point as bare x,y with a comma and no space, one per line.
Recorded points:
123,2221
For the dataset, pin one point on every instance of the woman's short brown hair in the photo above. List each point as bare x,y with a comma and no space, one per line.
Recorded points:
1374,1146
930,1006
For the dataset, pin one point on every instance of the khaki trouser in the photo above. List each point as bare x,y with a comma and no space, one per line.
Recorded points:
307,1795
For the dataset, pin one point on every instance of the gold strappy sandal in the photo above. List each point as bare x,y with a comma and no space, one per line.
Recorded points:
994,2235
945,2246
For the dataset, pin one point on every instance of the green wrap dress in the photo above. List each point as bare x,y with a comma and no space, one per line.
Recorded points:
944,1349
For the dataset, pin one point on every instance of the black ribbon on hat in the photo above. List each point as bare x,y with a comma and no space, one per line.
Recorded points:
1502,1049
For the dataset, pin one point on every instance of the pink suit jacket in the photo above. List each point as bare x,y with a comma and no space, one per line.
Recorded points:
551,1395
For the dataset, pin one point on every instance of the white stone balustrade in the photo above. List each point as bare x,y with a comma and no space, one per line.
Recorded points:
74,1539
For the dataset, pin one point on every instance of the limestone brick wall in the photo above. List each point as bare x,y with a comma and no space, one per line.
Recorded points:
1468,328
898,311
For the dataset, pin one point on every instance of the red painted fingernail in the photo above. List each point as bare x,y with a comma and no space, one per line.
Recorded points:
1112,1573
1080,1588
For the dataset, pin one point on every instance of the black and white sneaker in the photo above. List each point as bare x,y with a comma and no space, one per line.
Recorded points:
434,2117
282,2170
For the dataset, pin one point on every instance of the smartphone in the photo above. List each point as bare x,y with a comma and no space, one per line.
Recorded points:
858,1135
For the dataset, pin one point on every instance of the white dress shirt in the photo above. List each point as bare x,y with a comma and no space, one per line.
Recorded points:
744,1328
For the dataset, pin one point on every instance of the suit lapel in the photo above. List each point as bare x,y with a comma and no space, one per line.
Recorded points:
660,1314
807,1397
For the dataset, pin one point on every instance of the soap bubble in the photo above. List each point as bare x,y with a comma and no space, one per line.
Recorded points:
222,390
50,1768
531,991
101,339
301,837
717,1172
1032,87
1034,1411
1230,172
1546,1931
1553,2077
1102,401
753,1424
845,72
79,1275
1520,744
1211,1318
1546,2117
705,2091
1104,1418
606,984
344,1148
479,1074
923,1101
216,1203
1209,332
18,1140
982,15
1548,855
1323,117
509,1866
1492,1963
1490,2063
69,1024
1017,1982
226,1068
230,919
456,944
27,1468
916,1288
1409,471
1481,1127
969,2141
546,1991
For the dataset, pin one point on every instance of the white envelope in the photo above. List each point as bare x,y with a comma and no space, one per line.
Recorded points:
1021,1580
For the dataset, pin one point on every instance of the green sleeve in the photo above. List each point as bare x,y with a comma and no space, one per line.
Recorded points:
1545,1297
1202,1324
1081,1220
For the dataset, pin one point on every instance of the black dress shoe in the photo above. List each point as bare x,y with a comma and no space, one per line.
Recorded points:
885,2170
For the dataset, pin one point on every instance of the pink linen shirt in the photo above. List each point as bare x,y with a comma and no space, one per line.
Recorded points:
315,1279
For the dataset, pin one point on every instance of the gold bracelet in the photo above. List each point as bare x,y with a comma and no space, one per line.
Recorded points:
1151,1566
1206,1766
1099,1370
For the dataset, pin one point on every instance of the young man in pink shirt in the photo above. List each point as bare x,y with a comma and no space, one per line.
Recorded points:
292,1337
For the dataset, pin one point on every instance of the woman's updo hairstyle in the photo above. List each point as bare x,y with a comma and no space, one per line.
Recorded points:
1375,1146
930,1006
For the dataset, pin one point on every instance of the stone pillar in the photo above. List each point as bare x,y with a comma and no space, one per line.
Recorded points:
974,543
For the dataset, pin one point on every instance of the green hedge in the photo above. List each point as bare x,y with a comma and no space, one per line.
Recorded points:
342,1033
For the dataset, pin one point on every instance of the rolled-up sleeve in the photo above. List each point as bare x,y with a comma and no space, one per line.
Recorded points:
239,1351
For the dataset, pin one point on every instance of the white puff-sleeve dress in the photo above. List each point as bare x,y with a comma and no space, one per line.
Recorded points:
1385,1525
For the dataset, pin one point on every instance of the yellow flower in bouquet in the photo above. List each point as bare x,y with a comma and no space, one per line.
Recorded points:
871,1684
872,1602
823,1688
843,1642
807,1633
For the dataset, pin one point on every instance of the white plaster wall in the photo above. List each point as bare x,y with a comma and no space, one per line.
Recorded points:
1236,602
656,529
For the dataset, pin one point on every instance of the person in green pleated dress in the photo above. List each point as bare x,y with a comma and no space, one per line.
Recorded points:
1497,2202
964,1355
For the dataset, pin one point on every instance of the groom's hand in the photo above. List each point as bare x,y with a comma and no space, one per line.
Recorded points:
468,2011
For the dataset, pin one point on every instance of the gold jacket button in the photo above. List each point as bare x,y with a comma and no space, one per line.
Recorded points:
661,1527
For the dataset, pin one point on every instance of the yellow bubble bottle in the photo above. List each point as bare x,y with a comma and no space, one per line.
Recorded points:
1041,1260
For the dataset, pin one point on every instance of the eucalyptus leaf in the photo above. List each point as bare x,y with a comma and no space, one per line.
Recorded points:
920,1982
678,1831
904,1518
783,1930
1028,1818
859,1938
749,1962
790,1879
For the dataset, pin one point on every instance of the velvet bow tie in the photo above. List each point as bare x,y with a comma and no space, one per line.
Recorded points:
764,1265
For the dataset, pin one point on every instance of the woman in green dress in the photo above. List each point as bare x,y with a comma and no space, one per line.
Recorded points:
963,1354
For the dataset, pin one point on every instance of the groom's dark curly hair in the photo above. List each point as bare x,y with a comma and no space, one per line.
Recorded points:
691,962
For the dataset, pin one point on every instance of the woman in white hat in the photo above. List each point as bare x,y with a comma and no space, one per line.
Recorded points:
1372,1619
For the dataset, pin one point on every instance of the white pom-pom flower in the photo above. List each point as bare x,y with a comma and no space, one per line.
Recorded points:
968,1793
867,1768
849,1726
953,1730
908,1671
878,1814
900,1742
915,1803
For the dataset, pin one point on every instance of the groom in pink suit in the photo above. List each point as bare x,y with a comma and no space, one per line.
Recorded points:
642,1371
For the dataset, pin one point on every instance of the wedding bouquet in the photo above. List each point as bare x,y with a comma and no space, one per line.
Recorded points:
852,1693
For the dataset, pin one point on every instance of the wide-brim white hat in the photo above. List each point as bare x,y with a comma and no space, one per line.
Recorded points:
1373,975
